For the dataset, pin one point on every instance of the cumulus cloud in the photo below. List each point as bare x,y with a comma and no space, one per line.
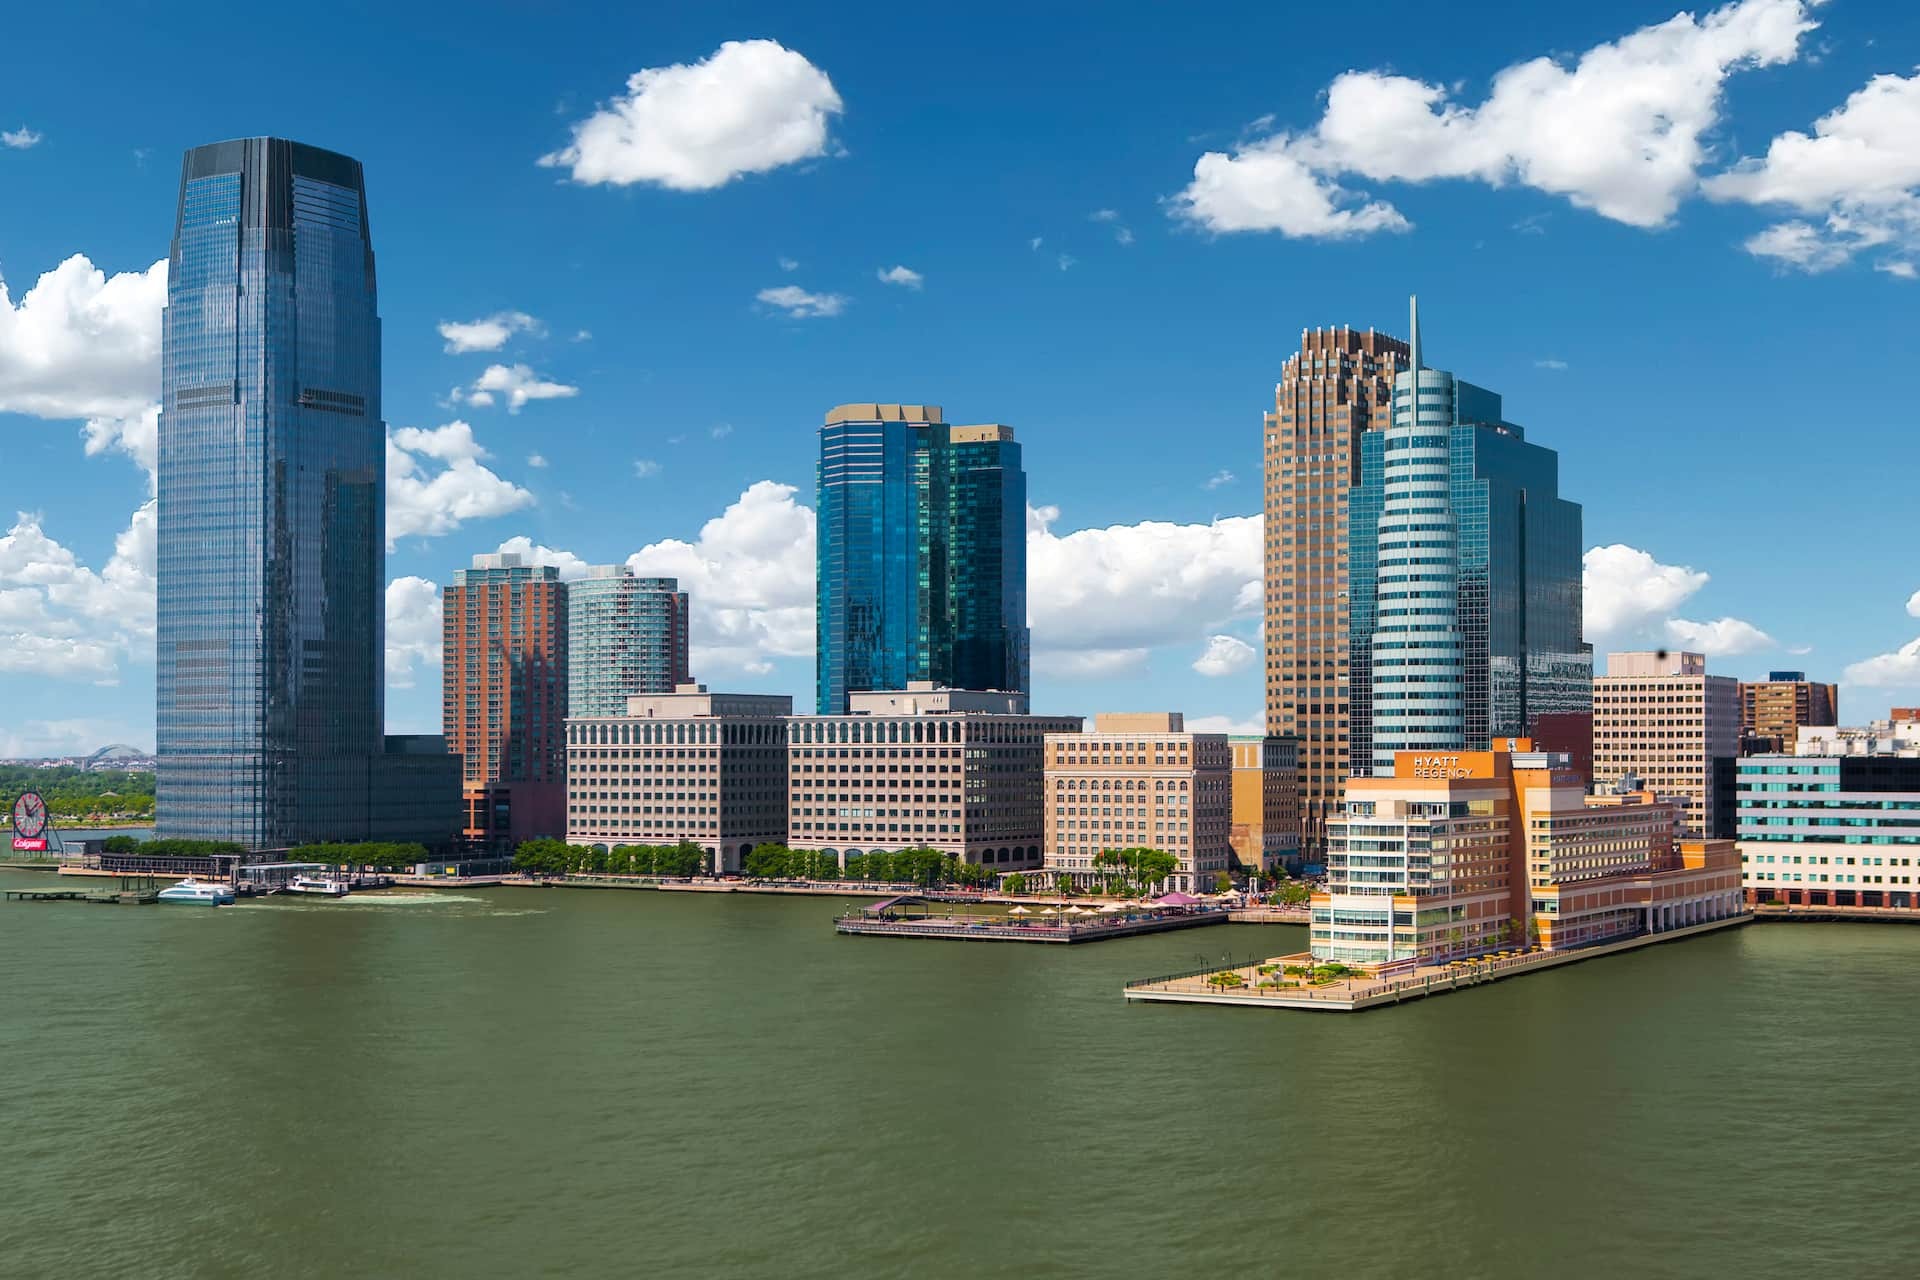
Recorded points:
1620,131
1218,479
489,333
645,468
570,565
749,107
749,575
82,344
1858,172
20,139
137,436
799,304
1225,724
1098,600
1630,599
62,619
538,461
414,612
1224,656
427,501
518,383
1899,669
906,277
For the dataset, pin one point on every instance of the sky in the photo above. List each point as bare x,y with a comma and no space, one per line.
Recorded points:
628,261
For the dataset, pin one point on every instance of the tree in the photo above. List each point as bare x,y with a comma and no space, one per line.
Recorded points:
770,862
1015,884
1222,882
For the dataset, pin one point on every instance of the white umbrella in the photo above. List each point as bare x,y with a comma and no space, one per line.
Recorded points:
1078,911
1115,906
1049,912
1019,911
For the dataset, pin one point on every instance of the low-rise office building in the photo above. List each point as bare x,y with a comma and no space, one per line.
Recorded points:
1774,710
1837,825
949,769
1140,780
1265,830
1659,717
709,768
1460,853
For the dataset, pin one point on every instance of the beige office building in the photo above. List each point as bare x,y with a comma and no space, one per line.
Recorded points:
1140,780
1774,710
1265,835
1338,385
1658,717
709,768
949,769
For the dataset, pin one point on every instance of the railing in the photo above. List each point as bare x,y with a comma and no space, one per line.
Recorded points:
1195,973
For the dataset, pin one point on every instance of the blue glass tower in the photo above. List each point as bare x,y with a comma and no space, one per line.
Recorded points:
271,502
922,554
1464,573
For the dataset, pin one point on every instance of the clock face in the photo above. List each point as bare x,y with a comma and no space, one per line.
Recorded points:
29,815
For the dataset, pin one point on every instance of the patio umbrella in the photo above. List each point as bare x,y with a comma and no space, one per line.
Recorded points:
1049,912
1019,911
1077,911
1115,906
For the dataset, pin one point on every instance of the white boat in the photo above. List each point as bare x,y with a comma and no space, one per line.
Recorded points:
204,893
314,886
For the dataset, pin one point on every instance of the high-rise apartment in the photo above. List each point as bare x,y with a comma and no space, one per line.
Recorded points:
949,769
1660,718
626,635
707,768
504,696
1775,709
1465,577
271,525
1332,391
922,554
1140,780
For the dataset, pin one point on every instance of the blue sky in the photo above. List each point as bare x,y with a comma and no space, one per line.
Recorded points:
1683,248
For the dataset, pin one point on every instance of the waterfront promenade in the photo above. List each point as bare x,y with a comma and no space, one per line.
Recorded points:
1262,984
876,922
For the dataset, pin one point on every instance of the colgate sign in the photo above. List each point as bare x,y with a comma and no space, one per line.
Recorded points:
21,844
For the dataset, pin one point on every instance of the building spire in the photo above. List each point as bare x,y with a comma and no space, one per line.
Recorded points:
1413,323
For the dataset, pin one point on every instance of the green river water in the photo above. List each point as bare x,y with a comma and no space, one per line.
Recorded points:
515,1082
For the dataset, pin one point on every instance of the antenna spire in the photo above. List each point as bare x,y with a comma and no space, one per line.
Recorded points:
1413,323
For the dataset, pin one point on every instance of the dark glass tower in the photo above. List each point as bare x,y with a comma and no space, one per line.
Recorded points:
1464,569
271,501
922,554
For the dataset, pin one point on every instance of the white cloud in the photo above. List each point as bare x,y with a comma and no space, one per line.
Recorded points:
1631,597
570,565
789,264
645,468
720,430
1897,670
750,107
1913,605
1122,235
906,277
1225,724
427,502
1224,656
750,578
1035,243
414,611
60,618
1619,132
518,383
1859,171
1899,268
1722,637
801,305
20,139
1099,599
75,736
1111,217
1218,479
582,335
82,344
1105,215
538,461
137,436
489,333
1066,261
1558,366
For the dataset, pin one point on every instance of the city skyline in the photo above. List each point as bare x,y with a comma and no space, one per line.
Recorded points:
688,446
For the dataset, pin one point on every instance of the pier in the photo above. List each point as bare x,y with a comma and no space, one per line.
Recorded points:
1263,984
888,920
120,897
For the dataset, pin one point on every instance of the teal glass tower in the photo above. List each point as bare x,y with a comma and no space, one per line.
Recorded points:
1464,573
628,635
271,522
922,549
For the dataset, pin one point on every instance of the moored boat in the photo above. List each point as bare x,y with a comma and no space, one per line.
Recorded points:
204,893
316,887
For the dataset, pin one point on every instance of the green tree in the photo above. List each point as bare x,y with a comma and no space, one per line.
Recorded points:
770,862
1222,882
1016,883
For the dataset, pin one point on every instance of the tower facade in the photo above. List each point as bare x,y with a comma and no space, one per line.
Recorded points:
625,636
922,572
271,518
1336,388
1464,573
504,696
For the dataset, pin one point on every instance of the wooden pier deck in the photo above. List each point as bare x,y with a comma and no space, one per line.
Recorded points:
118,897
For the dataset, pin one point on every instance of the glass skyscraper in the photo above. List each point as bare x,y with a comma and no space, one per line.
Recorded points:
922,554
1464,573
271,529
627,635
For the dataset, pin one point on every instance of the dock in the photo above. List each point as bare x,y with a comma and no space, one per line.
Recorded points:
965,929
1258,984
118,897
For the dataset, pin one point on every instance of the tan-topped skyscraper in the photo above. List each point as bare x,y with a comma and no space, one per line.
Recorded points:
1337,386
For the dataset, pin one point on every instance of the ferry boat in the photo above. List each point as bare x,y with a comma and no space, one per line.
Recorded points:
199,892
314,886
